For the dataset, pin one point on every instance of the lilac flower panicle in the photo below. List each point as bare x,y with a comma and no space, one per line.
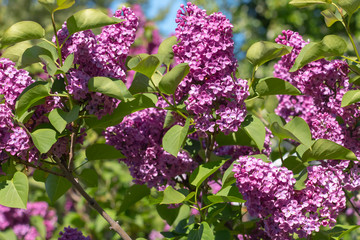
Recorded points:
99,55
139,137
270,195
205,43
72,234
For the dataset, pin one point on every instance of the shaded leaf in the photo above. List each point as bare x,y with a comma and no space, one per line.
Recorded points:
101,151
350,6
59,119
90,177
330,17
329,46
325,149
204,232
56,186
115,88
275,86
88,19
134,194
263,51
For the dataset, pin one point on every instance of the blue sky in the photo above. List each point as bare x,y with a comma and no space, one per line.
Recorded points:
168,25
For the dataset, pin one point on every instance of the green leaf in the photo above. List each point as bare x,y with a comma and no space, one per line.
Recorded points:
8,235
325,149
227,194
263,51
329,46
39,53
204,232
14,192
339,231
40,175
43,139
203,171
168,214
140,102
275,86
350,97
56,5
90,177
15,52
134,194
146,66
330,17
350,6
101,151
282,133
166,49
301,130
294,164
169,119
171,196
141,84
228,177
306,3
31,94
56,186
255,129
88,19
134,61
67,64
301,179
59,119
174,138
171,80
115,88
22,31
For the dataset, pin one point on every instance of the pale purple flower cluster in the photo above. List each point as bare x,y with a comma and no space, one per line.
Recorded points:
211,91
19,220
270,195
70,233
139,138
99,55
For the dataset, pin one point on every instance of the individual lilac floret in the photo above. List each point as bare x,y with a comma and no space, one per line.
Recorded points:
211,91
72,234
19,220
139,138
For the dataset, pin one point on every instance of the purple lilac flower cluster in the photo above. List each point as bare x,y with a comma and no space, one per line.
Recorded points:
99,55
270,195
72,234
13,139
323,84
139,137
205,44
19,220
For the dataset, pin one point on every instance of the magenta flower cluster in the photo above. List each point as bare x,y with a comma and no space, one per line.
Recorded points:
323,84
212,93
70,233
99,55
19,220
270,195
139,138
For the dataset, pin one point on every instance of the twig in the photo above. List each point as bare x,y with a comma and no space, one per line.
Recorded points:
113,224
39,167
